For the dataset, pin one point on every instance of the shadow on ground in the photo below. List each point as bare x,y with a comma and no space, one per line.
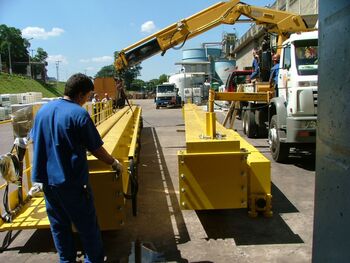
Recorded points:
158,212
235,223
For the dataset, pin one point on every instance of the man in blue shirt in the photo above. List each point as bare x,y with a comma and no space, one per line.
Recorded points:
62,133
274,73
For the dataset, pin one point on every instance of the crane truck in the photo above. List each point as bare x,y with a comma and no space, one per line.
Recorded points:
290,119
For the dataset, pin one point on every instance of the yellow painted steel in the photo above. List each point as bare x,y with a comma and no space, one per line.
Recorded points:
121,143
120,133
33,216
221,172
243,96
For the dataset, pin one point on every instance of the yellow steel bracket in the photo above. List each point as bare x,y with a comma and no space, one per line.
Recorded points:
219,169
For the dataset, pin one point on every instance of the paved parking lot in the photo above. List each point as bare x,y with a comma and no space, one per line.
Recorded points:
194,236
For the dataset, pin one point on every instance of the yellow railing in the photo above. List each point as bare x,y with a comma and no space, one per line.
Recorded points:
100,111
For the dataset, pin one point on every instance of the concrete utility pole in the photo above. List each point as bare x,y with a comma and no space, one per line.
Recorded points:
331,241
57,70
29,58
9,51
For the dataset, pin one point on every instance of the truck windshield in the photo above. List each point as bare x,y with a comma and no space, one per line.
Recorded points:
165,89
306,56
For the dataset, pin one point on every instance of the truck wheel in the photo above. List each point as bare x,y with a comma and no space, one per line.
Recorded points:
261,118
244,109
279,150
250,125
157,107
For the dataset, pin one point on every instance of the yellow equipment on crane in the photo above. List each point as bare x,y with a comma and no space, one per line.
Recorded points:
229,12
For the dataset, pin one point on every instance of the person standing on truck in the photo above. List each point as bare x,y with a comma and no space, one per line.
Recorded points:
255,66
274,73
62,133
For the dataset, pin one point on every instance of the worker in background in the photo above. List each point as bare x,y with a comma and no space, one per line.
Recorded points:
62,133
274,73
255,66
121,93
106,98
96,107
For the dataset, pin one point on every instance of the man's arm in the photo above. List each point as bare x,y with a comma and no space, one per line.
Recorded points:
103,155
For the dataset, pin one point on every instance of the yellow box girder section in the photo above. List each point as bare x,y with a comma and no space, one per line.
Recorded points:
118,132
223,172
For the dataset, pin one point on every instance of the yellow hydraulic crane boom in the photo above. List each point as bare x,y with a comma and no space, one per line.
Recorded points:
229,12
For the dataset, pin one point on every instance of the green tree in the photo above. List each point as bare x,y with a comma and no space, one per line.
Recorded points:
106,71
11,41
137,85
39,63
128,75
152,84
163,78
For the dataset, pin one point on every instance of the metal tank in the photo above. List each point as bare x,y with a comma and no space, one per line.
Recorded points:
200,54
223,68
186,81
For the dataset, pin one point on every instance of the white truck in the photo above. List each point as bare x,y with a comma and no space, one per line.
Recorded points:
167,96
290,118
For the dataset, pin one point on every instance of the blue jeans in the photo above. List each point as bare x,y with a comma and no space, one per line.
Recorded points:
67,205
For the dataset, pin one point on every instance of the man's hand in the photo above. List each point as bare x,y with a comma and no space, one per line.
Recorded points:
117,166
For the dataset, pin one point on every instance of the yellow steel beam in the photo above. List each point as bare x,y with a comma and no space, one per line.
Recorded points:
136,134
221,172
243,96
120,134
121,142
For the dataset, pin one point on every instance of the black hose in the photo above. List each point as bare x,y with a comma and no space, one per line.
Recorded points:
134,186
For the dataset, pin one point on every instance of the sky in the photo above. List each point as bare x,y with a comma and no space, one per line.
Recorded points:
83,34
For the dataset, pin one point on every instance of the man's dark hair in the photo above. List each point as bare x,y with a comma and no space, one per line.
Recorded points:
78,83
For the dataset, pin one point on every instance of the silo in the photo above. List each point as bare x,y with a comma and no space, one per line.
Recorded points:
194,55
223,68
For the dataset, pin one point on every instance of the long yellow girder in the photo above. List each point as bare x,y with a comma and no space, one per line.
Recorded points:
120,133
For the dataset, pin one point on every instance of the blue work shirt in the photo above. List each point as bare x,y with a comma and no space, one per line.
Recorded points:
62,133
274,73
256,69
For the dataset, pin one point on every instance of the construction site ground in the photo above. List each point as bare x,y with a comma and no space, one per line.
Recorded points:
192,236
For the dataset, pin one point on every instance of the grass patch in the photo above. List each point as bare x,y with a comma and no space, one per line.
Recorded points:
20,84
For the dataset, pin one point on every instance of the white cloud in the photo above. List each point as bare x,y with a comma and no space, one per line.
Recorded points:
103,59
41,33
148,27
55,58
83,60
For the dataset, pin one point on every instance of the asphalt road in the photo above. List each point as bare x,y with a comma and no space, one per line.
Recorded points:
194,236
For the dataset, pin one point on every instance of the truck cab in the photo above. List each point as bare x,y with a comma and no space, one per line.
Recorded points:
293,113
167,96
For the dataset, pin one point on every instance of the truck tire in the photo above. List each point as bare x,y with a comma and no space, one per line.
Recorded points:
250,125
261,118
279,150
